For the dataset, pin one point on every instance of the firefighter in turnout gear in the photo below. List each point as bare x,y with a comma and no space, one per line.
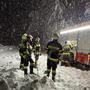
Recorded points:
25,50
66,55
67,47
37,50
53,50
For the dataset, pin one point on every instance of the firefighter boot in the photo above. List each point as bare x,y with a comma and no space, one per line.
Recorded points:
53,76
48,73
31,70
25,72
35,64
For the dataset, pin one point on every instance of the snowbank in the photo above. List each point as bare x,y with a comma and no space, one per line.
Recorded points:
13,79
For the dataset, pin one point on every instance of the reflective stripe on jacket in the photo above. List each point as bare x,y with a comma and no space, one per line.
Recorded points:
52,59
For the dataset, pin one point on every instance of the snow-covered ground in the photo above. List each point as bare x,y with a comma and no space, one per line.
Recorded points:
12,78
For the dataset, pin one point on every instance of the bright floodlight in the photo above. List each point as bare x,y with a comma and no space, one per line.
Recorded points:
76,29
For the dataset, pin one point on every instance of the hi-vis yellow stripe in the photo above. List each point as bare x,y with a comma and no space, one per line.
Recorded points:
60,51
32,64
48,70
25,67
53,59
52,47
66,53
53,71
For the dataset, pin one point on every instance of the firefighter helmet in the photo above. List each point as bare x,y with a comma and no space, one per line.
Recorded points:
24,36
30,37
55,36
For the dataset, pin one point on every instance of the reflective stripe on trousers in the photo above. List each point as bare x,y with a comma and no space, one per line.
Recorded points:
53,71
32,64
25,67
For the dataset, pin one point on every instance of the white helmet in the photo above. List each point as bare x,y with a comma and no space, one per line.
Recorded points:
55,36
30,37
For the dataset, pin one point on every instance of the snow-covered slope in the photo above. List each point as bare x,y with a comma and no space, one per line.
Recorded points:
12,78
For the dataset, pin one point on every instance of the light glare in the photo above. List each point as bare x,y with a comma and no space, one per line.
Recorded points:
76,29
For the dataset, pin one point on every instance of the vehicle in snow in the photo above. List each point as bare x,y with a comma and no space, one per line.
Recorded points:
81,49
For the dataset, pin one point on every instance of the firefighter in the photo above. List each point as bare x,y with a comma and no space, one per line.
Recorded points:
37,50
66,55
53,51
22,48
65,58
66,47
25,50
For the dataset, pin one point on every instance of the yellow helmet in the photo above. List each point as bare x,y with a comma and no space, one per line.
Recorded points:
24,36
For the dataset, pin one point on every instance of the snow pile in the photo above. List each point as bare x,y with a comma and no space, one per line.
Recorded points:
13,79
42,84
66,79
